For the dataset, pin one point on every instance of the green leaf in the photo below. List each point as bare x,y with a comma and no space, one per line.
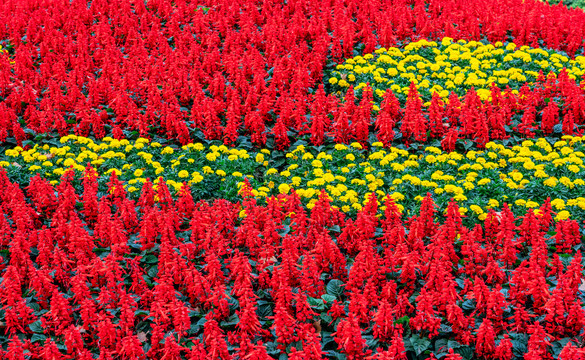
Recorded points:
402,320
326,318
36,327
465,351
316,303
468,305
452,344
328,298
419,344
233,320
150,259
441,346
335,288
558,346
335,228
38,337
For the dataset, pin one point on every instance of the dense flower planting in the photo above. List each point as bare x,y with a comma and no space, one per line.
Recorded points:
380,180
169,279
189,71
524,176
447,66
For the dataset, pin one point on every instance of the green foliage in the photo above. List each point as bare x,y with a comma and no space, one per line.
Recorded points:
580,4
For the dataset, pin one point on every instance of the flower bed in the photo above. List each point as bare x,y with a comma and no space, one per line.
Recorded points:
291,180
449,66
166,278
204,71
524,176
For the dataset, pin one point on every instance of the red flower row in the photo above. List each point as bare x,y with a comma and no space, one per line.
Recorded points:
173,279
230,69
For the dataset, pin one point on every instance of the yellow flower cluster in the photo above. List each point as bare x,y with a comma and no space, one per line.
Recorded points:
478,181
523,176
452,66
133,162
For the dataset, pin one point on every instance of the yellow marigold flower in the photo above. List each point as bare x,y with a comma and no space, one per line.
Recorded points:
316,163
493,203
532,204
196,178
221,173
551,181
397,196
476,209
459,197
562,215
283,188
484,182
183,174
512,185
558,204
540,174
296,181
567,182
198,147
259,158
517,176
397,167
118,172
11,153
212,156
573,168
68,162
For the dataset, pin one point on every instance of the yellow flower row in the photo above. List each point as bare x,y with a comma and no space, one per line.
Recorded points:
452,66
522,176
